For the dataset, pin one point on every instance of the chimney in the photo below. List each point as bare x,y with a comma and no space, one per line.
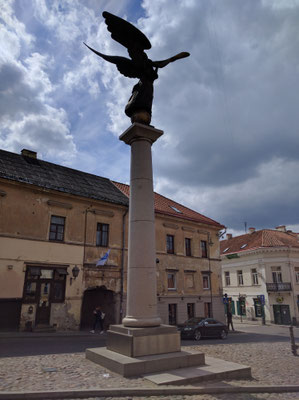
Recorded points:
251,230
281,228
229,235
29,153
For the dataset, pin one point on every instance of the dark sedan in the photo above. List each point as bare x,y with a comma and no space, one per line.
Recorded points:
197,328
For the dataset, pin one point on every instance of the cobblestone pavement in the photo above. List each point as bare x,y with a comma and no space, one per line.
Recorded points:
272,364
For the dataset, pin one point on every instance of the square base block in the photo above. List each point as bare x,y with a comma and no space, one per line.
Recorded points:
136,342
138,366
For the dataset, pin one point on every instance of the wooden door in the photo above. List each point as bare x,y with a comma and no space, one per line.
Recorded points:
43,303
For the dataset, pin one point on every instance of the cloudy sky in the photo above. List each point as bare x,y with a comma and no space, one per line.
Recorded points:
230,112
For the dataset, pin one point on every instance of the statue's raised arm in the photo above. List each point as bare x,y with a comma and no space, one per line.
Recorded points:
139,107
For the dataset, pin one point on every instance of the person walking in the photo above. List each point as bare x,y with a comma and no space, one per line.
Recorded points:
229,316
98,320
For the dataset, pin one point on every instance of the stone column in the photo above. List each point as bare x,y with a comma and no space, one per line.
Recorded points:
141,282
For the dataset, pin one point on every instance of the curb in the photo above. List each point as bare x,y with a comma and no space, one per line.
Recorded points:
170,390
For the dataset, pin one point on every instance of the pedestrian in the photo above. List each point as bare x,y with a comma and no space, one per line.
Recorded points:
98,320
229,316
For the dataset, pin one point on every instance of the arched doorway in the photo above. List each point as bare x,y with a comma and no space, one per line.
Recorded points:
93,297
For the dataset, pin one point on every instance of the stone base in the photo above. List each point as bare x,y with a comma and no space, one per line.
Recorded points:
136,342
214,369
137,366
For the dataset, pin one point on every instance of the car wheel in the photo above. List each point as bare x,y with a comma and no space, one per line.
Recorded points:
223,334
197,335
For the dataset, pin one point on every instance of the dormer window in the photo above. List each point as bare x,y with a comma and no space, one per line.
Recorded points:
225,249
243,246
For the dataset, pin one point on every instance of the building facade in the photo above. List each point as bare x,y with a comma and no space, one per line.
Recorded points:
260,275
56,223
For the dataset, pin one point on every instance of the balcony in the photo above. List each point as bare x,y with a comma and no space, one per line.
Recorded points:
279,287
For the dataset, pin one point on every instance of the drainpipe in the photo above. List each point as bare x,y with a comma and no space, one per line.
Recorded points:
122,265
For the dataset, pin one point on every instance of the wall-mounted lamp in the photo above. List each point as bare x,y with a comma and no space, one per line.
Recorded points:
10,267
75,272
157,260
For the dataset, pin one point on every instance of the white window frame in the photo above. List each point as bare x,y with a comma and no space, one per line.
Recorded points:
173,275
240,278
204,276
276,275
227,278
254,276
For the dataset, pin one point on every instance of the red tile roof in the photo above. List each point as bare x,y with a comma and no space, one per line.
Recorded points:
259,239
166,206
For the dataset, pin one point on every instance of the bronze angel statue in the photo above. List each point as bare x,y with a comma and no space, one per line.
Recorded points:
139,107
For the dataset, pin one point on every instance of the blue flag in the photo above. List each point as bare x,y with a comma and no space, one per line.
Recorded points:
102,261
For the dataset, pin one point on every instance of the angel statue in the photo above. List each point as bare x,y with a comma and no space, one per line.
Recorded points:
139,107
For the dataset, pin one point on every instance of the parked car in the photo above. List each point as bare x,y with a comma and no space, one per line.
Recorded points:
197,328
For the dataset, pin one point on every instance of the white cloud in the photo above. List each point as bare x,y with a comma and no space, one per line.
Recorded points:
229,111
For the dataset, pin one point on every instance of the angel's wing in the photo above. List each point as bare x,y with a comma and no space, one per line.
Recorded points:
163,63
123,64
125,33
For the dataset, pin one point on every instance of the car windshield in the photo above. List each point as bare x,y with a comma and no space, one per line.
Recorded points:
193,321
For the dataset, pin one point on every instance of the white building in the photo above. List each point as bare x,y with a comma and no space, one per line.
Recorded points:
262,267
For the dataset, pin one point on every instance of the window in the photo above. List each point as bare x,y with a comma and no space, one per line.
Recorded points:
206,281
225,250
240,278
204,249
102,235
254,275
57,228
189,280
297,274
227,278
172,314
207,310
243,246
42,282
176,209
171,281
188,247
276,274
170,244
190,310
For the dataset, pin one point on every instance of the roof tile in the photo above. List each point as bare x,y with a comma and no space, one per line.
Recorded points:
167,206
259,239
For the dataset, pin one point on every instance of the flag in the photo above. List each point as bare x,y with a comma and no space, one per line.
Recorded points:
102,260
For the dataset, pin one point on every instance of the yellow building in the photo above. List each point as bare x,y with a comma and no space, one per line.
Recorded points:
56,223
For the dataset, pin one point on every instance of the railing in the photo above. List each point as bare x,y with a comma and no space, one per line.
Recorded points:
279,287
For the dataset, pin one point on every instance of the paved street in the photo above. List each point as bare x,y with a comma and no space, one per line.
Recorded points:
61,363
18,345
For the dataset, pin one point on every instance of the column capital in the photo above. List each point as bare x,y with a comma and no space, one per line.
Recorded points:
139,131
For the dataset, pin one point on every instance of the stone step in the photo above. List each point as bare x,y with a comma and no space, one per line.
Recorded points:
137,366
214,369
44,328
